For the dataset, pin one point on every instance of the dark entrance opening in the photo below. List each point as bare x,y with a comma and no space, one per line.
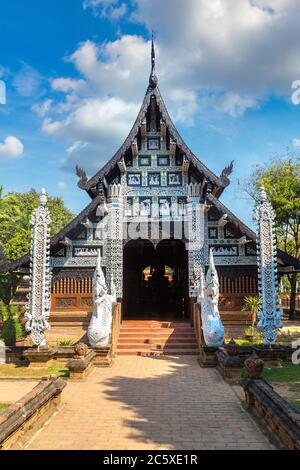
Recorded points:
155,280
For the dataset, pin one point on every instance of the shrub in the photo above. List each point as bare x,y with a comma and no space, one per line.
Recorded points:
65,342
3,311
14,310
12,330
251,331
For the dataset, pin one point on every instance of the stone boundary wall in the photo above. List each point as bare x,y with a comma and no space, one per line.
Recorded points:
274,412
23,418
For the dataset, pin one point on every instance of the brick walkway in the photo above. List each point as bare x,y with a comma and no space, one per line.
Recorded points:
12,390
151,403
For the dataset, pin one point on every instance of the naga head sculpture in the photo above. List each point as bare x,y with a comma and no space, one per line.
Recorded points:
212,281
99,282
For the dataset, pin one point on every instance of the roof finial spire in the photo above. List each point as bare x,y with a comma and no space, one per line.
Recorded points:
153,78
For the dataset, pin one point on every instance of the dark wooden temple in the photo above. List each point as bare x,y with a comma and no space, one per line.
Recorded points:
144,195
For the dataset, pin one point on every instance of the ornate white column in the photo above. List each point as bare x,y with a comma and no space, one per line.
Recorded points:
270,315
114,240
40,275
195,215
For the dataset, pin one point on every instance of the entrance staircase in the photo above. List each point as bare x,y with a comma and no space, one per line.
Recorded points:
151,337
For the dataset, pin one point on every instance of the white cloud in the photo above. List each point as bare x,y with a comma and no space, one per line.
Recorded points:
66,84
3,71
62,184
233,104
28,81
98,125
246,47
43,108
76,147
111,9
222,56
11,148
296,143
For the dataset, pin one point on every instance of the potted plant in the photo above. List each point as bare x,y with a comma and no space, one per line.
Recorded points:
65,348
251,303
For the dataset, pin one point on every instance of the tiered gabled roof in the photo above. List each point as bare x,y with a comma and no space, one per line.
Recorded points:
92,185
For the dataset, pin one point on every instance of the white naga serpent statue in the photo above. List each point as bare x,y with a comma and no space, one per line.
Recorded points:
99,329
212,326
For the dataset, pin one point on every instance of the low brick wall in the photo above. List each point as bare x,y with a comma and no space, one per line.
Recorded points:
280,418
22,419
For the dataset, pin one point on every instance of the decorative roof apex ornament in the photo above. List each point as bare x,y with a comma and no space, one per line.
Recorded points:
227,171
82,175
153,80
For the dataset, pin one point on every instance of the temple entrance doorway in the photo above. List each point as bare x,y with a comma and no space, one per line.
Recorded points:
155,280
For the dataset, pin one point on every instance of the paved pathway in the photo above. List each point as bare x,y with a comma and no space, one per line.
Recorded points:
151,403
12,390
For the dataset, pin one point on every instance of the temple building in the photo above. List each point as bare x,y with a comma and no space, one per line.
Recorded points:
155,212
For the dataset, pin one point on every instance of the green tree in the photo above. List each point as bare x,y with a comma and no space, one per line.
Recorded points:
15,214
15,230
281,179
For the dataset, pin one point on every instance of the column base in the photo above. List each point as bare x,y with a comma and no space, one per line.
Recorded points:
39,357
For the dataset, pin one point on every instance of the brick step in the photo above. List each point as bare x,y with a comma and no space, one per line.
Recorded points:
69,320
161,332
153,323
156,346
152,337
68,325
157,340
165,352
157,330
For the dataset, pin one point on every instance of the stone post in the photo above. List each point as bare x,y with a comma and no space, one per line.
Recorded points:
40,276
270,314
195,216
114,240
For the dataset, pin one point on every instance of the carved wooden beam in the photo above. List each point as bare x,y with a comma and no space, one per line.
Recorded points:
87,223
207,207
222,221
163,129
122,165
105,183
185,165
244,240
144,128
102,210
66,241
172,147
134,148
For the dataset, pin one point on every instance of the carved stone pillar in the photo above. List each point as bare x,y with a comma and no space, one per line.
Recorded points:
40,276
270,315
195,216
114,240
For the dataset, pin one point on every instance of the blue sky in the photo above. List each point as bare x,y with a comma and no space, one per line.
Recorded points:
76,72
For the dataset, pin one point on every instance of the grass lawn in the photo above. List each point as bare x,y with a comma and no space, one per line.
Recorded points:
12,370
286,382
245,342
3,407
287,373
